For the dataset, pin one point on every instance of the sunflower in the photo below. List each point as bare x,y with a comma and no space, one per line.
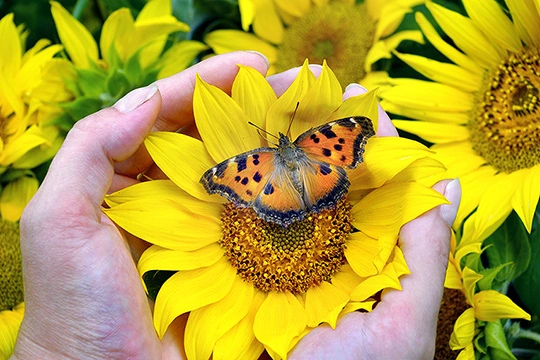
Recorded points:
28,92
481,110
463,292
11,287
130,54
351,37
250,285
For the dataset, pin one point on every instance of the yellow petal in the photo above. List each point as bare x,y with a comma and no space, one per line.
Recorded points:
428,96
452,279
446,49
11,322
465,35
385,210
77,40
15,196
10,61
388,279
360,105
385,157
490,18
207,324
473,186
346,279
279,114
247,12
240,341
294,8
221,122
490,305
434,132
324,303
183,159
442,72
280,318
495,205
224,41
426,171
353,306
424,114
527,194
267,23
15,149
253,94
383,49
360,252
322,98
116,29
526,20
470,278
464,329
179,57
189,290
158,258
459,157
166,223
467,353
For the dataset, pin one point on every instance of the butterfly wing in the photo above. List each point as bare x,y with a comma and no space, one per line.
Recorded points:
241,178
340,142
253,179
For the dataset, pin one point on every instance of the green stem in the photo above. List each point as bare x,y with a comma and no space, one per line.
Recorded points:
531,335
79,8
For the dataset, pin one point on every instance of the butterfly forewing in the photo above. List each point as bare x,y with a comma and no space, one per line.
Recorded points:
339,143
242,178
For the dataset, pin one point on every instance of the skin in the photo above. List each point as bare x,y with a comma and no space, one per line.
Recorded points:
75,308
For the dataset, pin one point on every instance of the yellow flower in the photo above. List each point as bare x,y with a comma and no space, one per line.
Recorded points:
482,305
351,37
481,110
27,105
251,285
11,287
131,54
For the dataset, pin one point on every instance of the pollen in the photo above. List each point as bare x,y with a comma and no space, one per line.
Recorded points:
295,258
11,279
340,33
505,129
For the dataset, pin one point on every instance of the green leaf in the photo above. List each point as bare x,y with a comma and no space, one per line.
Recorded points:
133,69
154,280
496,341
486,283
117,84
528,284
509,244
81,107
91,82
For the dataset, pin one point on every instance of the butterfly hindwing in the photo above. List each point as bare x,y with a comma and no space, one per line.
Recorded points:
241,178
340,142
324,186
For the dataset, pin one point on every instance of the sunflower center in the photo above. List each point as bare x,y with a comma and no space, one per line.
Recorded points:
505,129
11,280
453,304
294,258
338,32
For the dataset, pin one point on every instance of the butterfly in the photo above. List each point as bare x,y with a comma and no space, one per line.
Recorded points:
284,183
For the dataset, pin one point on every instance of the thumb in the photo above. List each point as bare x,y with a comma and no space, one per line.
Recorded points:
82,171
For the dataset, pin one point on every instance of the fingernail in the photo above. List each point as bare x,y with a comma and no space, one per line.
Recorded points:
453,194
261,55
355,86
135,98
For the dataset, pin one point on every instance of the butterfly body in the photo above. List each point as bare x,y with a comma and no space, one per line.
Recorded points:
283,184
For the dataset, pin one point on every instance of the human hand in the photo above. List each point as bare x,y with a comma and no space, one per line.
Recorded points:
84,297
102,312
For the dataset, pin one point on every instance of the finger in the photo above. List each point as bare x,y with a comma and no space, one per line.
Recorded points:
425,243
282,81
82,171
386,128
177,94
177,90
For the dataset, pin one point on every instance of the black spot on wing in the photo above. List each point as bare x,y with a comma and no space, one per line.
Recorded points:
325,169
237,178
249,192
326,152
256,160
341,140
314,138
338,147
241,162
244,181
268,189
257,177
326,130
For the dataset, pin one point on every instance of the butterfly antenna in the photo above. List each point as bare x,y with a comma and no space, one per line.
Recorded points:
260,130
292,118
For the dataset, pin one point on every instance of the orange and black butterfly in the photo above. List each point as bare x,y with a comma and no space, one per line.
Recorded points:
284,183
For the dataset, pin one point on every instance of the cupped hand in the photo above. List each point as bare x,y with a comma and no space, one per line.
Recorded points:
83,295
